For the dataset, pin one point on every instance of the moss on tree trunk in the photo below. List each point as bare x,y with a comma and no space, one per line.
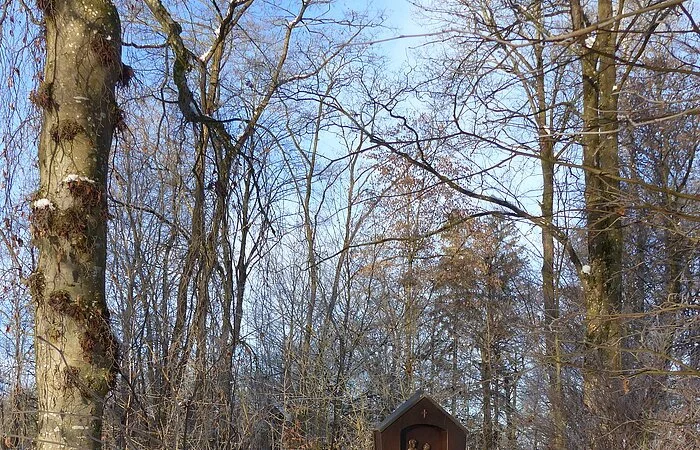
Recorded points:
603,283
76,352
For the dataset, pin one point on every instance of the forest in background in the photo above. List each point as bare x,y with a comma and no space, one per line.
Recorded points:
302,233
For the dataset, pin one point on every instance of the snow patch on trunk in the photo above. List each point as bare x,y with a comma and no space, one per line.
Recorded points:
72,178
43,203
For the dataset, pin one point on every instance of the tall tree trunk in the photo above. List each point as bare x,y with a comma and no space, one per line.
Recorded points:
551,304
602,282
75,349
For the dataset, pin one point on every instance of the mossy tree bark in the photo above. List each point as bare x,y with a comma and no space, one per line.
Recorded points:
76,351
603,282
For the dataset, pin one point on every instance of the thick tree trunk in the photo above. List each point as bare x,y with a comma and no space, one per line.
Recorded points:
75,349
602,279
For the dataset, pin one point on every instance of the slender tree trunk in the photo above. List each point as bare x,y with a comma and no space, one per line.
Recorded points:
511,388
486,377
455,375
551,308
76,351
310,235
551,305
345,342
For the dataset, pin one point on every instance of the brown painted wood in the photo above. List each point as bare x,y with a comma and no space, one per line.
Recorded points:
422,419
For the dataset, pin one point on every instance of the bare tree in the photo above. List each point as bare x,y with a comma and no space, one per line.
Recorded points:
301,237
491,127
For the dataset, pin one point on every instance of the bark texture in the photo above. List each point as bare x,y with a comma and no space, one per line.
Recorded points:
603,283
76,351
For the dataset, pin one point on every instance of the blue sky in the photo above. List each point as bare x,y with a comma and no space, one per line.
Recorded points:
402,16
